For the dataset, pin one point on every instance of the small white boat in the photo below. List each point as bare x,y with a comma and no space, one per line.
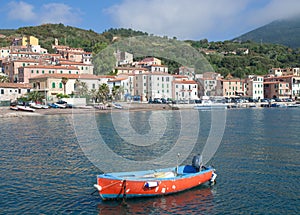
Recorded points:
36,106
25,108
117,106
60,105
209,105
13,108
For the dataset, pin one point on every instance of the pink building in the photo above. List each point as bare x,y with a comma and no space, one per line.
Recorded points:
27,72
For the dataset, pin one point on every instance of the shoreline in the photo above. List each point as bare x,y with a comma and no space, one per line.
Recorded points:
6,112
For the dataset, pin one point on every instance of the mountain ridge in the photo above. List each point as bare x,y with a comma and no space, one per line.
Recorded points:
283,31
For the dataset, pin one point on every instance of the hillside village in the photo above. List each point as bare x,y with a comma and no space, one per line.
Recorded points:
28,67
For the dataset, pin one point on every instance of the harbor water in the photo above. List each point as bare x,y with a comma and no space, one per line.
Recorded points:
43,169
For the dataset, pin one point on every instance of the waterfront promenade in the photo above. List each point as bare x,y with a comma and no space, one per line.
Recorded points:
127,106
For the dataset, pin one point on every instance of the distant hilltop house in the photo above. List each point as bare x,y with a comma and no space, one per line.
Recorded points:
123,58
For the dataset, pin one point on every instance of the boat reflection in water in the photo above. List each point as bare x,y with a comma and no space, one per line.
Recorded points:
198,200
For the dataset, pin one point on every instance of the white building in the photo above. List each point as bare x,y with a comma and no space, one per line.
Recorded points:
12,91
185,90
153,85
254,87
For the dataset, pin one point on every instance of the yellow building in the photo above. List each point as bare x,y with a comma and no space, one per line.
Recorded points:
30,40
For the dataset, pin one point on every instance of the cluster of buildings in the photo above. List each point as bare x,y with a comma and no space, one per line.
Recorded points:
30,67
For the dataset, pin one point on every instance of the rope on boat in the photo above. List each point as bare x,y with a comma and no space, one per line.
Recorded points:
124,187
103,188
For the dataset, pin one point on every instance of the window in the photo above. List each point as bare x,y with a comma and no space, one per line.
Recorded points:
93,86
19,91
53,84
2,91
32,71
60,85
61,72
37,71
43,72
69,72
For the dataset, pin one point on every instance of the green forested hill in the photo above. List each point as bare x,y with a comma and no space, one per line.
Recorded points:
227,56
285,32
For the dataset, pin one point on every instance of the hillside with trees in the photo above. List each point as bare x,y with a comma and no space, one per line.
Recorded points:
230,57
285,32
224,56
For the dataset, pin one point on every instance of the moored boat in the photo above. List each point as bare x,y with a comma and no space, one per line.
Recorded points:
25,108
153,182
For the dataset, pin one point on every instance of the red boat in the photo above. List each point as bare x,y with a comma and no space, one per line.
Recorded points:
153,182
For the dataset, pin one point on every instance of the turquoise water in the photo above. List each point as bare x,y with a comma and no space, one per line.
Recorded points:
44,171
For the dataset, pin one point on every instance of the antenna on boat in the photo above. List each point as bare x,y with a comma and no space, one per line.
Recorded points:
178,155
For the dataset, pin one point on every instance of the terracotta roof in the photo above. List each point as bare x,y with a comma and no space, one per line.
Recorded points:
51,67
179,76
185,82
73,63
232,80
126,74
106,76
15,85
30,53
156,65
117,79
56,75
156,73
130,68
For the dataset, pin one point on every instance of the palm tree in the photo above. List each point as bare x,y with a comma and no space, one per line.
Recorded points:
4,79
35,96
93,94
81,88
117,92
64,81
103,92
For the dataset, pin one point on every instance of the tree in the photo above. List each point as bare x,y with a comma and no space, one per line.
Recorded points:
103,92
35,96
117,92
81,88
93,94
64,81
4,79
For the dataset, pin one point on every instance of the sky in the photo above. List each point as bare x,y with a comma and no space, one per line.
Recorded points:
215,20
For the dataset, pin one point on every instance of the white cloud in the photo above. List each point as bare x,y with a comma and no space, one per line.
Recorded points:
59,13
274,10
198,19
47,13
21,11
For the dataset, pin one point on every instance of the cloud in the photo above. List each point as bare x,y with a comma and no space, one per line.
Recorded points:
198,19
21,11
47,13
60,13
274,10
